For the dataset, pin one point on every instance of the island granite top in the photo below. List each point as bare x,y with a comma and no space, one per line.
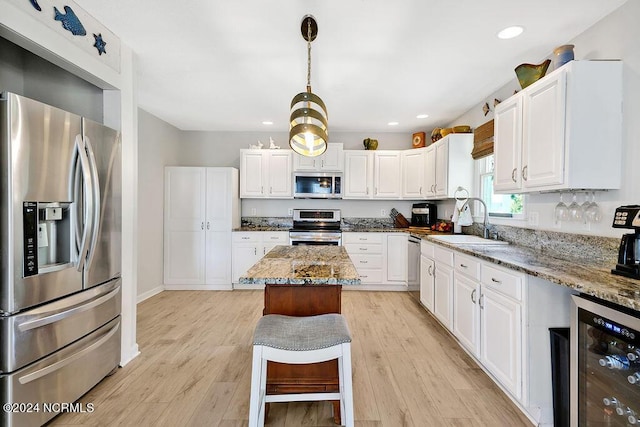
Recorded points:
303,265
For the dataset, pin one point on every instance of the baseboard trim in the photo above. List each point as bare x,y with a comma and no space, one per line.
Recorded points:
198,287
149,294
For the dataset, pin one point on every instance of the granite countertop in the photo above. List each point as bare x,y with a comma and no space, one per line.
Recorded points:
304,265
261,228
592,278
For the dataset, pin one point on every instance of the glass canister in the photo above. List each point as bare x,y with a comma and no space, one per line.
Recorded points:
562,55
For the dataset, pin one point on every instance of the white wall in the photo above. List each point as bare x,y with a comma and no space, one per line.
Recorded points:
159,146
617,36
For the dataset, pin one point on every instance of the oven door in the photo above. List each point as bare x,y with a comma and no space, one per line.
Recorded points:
309,238
605,369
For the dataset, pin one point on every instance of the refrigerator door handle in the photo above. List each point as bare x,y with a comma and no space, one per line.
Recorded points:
47,320
64,362
95,195
80,148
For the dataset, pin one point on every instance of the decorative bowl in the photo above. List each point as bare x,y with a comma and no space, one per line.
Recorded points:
531,73
461,129
446,131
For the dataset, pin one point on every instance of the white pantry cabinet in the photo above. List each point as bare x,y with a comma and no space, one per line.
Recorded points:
201,209
266,174
332,160
562,132
373,174
250,246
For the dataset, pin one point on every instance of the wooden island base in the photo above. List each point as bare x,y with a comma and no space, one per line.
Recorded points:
303,300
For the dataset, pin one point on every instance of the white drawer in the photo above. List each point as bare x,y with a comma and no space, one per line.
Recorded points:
247,236
370,276
371,262
504,281
442,255
467,265
426,249
371,238
363,248
280,237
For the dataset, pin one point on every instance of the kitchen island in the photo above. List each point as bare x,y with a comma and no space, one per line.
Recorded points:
303,281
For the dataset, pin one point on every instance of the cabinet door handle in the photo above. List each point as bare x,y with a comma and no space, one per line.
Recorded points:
322,164
513,174
480,301
463,266
270,190
362,238
433,188
430,270
208,225
473,296
264,251
202,226
363,262
494,280
524,173
420,191
245,238
363,249
262,189
367,193
255,251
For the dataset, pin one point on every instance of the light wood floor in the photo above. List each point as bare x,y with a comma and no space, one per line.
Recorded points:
195,367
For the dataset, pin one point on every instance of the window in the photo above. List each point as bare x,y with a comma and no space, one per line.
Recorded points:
499,205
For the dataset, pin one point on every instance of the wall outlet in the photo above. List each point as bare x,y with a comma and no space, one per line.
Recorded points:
383,212
290,212
254,212
534,218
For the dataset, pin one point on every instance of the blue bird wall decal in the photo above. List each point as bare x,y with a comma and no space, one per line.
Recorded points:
35,5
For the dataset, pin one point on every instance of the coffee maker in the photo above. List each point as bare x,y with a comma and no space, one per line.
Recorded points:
629,252
424,214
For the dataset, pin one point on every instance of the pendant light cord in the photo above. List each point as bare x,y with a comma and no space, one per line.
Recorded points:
309,55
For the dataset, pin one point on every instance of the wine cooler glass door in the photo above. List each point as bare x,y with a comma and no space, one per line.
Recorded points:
608,368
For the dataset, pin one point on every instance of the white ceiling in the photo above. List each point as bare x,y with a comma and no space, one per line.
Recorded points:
230,65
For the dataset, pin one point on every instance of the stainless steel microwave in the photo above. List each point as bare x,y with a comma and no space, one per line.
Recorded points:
317,185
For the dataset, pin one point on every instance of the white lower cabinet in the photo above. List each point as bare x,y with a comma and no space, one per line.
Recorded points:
248,247
501,317
379,257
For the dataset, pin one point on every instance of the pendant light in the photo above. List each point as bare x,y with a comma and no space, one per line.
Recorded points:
308,132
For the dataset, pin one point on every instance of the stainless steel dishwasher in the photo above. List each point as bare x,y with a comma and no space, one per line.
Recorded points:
413,269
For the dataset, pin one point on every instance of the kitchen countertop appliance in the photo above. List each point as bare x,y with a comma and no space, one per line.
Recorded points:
605,364
424,214
316,227
629,252
60,226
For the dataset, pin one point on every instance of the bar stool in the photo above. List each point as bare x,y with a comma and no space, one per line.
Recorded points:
299,340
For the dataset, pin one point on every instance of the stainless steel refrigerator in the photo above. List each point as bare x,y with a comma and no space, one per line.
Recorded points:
60,241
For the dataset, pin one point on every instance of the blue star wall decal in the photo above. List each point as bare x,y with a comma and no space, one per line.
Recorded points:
99,44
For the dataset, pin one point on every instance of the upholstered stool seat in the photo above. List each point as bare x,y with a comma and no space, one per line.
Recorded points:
300,340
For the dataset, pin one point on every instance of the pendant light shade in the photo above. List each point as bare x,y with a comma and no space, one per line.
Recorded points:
308,124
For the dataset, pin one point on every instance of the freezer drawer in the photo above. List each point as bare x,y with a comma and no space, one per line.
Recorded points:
62,377
33,334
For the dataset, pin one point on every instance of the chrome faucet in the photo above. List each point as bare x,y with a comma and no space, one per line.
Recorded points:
485,232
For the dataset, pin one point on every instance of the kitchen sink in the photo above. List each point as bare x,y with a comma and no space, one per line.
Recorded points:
465,239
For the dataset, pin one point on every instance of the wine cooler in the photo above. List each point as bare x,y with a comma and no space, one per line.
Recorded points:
605,368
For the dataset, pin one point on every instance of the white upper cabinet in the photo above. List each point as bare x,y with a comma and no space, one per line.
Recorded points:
331,160
387,181
562,132
372,174
266,174
358,174
448,165
413,168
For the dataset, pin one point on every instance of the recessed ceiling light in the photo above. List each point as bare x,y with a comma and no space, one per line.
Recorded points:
393,123
267,122
422,116
510,32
